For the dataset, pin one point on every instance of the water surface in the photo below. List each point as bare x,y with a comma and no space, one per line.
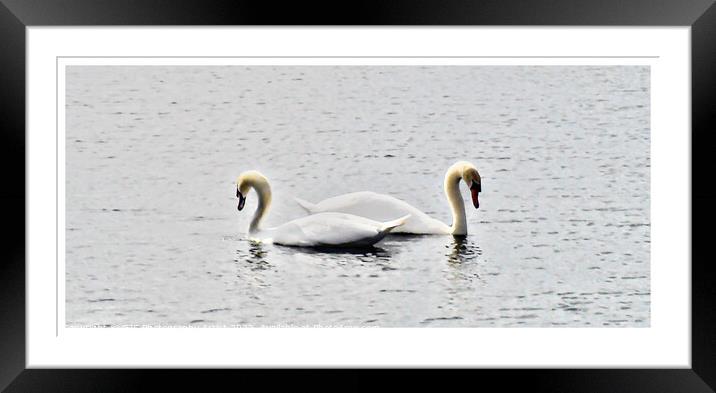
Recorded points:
561,238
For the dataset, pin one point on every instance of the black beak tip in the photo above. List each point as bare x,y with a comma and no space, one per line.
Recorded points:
242,200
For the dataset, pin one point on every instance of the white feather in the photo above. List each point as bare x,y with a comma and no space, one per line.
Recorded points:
323,229
329,229
381,207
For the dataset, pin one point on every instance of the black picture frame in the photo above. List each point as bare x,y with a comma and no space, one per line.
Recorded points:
700,15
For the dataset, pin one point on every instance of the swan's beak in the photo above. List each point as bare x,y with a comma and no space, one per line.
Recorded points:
475,190
242,199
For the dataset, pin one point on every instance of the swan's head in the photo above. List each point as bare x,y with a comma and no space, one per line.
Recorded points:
244,183
472,179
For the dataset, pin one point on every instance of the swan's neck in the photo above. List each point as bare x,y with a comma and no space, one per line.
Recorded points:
452,191
263,190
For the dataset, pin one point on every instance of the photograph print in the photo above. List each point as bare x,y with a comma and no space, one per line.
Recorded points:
357,196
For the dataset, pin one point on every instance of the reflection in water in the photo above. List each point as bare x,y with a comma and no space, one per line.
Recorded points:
256,257
343,256
359,251
462,250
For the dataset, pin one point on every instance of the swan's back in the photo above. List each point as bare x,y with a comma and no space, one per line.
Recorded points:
379,207
333,229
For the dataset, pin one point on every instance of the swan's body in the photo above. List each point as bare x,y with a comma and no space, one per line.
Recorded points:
328,229
323,229
377,207
381,206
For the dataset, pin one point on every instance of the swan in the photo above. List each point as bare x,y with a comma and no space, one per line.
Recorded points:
322,229
379,207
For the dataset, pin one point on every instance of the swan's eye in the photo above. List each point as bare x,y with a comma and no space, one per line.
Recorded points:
476,186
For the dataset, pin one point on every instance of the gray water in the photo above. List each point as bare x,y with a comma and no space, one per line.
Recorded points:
154,238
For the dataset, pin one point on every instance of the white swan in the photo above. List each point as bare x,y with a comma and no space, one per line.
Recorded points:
380,206
323,229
